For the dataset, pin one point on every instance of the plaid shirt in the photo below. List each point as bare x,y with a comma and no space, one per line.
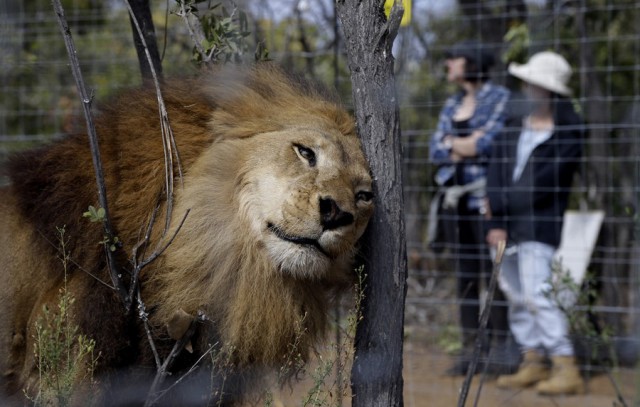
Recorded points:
489,117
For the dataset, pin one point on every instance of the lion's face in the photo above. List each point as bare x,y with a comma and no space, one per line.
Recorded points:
308,196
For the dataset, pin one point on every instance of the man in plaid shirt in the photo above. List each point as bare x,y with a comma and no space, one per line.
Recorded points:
487,121
460,147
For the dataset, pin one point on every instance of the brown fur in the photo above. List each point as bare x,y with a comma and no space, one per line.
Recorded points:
238,134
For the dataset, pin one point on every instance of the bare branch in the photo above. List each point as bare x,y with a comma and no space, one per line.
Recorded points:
144,316
139,265
195,30
482,325
144,242
188,372
163,371
159,250
95,149
168,140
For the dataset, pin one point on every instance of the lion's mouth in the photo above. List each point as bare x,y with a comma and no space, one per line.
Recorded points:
303,241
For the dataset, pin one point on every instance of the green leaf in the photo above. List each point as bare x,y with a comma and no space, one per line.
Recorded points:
95,215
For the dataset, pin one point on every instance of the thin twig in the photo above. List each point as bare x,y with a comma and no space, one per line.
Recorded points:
95,149
144,242
159,250
187,373
139,265
163,371
168,140
144,316
618,392
482,380
98,279
484,319
195,30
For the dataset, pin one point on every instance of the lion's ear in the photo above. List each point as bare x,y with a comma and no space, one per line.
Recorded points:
178,325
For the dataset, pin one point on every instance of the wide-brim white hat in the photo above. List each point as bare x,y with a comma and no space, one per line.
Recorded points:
545,69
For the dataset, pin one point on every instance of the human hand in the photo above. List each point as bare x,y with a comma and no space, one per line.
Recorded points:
476,134
495,236
486,209
455,157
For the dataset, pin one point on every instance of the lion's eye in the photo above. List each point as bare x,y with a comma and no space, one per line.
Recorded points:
307,154
365,196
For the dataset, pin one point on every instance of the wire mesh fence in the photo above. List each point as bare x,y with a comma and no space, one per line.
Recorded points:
600,39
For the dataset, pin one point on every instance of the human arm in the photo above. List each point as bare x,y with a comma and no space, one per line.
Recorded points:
490,115
498,183
440,147
493,106
464,147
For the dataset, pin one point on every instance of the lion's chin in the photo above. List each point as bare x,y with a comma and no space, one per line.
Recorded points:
307,242
299,260
301,257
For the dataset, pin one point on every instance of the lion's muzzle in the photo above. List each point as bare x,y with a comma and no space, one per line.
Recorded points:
331,216
300,240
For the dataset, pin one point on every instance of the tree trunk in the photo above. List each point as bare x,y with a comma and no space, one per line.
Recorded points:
376,376
143,14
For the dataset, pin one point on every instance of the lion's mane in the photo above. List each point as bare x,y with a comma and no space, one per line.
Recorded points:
216,263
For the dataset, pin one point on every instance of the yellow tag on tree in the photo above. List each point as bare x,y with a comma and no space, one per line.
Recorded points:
406,17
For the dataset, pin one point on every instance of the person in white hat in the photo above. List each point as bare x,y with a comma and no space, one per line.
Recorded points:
528,183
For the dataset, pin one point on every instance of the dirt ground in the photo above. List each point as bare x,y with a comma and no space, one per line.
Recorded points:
425,361
425,385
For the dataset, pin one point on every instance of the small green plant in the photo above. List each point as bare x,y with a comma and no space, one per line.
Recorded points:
449,339
100,215
576,301
64,357
95,215
223,35
327,389
317,394
329,383
292,365
222,363
112,243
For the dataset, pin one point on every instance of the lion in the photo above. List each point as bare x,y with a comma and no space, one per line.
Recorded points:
273,195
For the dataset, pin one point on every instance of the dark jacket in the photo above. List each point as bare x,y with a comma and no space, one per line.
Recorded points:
531,208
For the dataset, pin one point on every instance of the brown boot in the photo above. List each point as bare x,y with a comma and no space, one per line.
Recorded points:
565,378
532,370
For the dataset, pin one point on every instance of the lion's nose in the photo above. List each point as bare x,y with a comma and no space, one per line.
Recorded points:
332,216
